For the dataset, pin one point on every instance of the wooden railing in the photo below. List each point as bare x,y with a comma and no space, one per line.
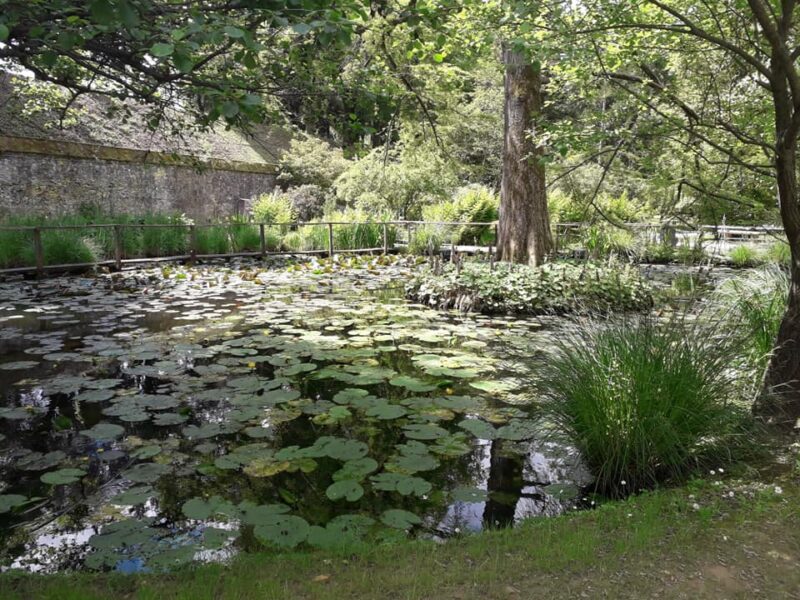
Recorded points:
119,259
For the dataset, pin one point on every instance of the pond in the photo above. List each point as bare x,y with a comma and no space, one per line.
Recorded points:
159,416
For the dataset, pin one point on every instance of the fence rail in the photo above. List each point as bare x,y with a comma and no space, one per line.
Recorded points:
118,257
118,232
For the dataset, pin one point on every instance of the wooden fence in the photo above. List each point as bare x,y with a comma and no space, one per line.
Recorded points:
119,260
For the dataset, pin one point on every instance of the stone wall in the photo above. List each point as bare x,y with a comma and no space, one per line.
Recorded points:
42,184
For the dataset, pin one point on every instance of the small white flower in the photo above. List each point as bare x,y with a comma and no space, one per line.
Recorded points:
778,490
712,472
691,496
630,515
458,529
720,470
730,494
623,482
696,506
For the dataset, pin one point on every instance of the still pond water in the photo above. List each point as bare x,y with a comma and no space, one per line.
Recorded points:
154,417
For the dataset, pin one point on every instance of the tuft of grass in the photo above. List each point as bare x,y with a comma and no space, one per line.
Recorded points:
779,253
744,256
426,240
245,237
212,240
755,305
644,403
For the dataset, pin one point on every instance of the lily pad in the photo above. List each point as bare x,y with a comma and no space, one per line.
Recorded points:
146,472
287,532
10,501
400,519
412,384
104,431
347,489
62,476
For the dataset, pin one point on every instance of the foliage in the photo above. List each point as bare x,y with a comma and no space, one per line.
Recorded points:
754,305
470,204
644,403
310,161
245,237
272,209
552,288
425,240
212,239
308,201
604,240
744,256
359,233
779,253
398,181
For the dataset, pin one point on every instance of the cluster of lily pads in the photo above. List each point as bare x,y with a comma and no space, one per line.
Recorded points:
217,408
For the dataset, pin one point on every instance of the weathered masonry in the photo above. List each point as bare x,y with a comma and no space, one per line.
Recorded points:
103,157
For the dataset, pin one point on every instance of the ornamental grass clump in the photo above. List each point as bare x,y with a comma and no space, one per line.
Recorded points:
645,403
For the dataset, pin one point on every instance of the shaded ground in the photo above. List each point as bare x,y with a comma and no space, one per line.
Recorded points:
695,542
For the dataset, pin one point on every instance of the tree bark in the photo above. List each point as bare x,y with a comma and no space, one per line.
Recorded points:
524,225
780,401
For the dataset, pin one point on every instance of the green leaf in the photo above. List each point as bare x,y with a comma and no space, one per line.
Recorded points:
4,32
162,49
233,32
301,28
102,12
11,501
104,431
62,476
349,489
286,532
400,519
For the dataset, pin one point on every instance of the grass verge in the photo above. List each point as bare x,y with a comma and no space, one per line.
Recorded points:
699,541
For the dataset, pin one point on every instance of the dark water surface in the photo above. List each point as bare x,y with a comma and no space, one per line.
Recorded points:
156,417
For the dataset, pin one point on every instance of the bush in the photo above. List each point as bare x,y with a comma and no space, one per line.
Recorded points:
744,256
312,161
551,288
643,403
308,202
425,240
358,235
273,209
63,247
160,241
657,253
606,240
471,204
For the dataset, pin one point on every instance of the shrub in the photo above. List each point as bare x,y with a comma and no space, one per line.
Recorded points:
471,204
62,247
744,256
657,253
312,161
162,241
308,201
564,209
551,288
425,240
272,209
606,240
643,403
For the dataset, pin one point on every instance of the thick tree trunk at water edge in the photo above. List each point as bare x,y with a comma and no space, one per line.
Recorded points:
780,400
524,226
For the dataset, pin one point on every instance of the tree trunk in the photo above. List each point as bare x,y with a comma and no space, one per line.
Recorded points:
524,226
780,402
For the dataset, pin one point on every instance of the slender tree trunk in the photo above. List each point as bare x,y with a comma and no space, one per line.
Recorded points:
780,400
524,226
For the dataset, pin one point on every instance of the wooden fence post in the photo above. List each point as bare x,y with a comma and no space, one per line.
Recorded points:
192,244
330,240
263,236
38,251
118,246
385,239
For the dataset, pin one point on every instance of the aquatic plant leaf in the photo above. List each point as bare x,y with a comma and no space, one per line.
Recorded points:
403,484
169,419
424,431
262,514
400,519
287,532
62,476
146,472
469,494
95,395
36,461
480,429
11,501
356,469
19,365
349,489
347,395
201,509
452,445
279,396
386,411
412,384
266,467
494,387
134,496
518,430
341,449
104,431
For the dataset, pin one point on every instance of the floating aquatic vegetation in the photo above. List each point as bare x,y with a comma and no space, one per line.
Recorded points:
178,414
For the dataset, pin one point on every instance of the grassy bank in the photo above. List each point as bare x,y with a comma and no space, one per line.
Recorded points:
707,540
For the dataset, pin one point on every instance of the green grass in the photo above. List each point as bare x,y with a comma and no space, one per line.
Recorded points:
779,253
744,256
212,239
637,548
644,403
